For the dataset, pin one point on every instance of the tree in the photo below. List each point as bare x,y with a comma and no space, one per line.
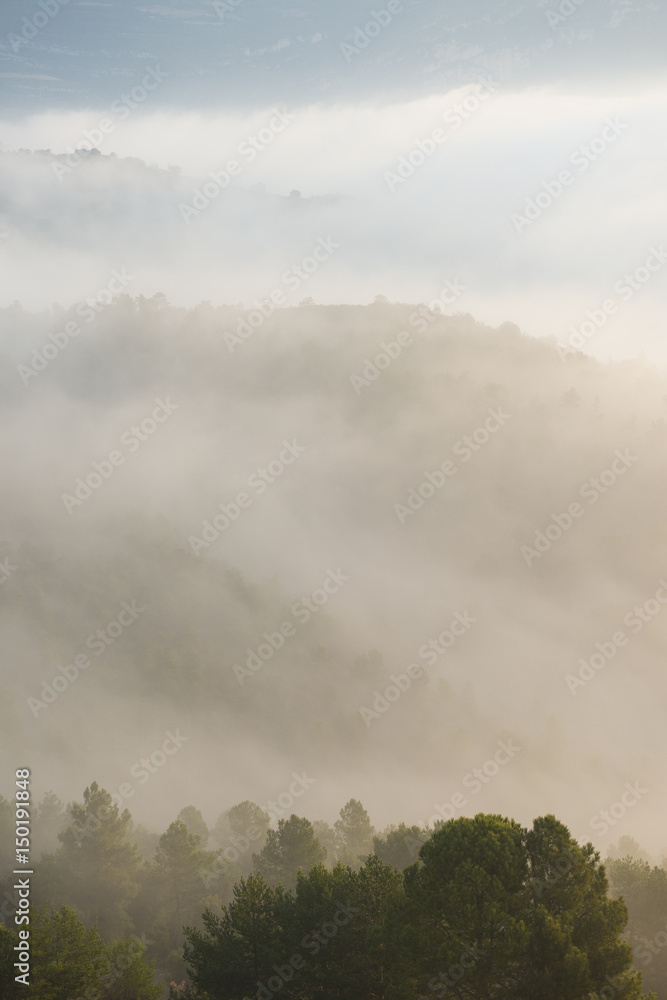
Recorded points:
495,910
9,988
195,823
325,940
235,951
129,976
67,960
327,838
237,832
248,818
50,821
175,891
96,866
291,847
338,928
400,845
354,831
644,890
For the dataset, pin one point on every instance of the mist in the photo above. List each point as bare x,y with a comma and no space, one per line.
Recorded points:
148,202
357,443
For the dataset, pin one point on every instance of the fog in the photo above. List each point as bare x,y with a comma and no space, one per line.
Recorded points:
356,445
148,203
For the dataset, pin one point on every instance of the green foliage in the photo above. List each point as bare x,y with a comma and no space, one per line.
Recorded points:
644,891
236,949
194,821
174,892
325,939
247,815
129,976
9,988
505,912
291,847
67,960
487,910
354,831
400,845
49,822
96,867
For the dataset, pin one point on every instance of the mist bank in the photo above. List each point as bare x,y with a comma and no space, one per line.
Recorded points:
514,199
376,541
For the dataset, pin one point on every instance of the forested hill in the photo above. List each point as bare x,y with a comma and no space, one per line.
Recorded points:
383,486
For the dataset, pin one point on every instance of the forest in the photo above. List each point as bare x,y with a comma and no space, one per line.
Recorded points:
476,907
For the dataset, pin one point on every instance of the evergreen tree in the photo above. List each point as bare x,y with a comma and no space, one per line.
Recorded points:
49,822
67,960
9,988
354,833
235,951
291,847
129,976
493,909
195,823
96,866
644,891
400,845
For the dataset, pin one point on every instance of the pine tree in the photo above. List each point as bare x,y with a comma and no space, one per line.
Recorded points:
291,847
